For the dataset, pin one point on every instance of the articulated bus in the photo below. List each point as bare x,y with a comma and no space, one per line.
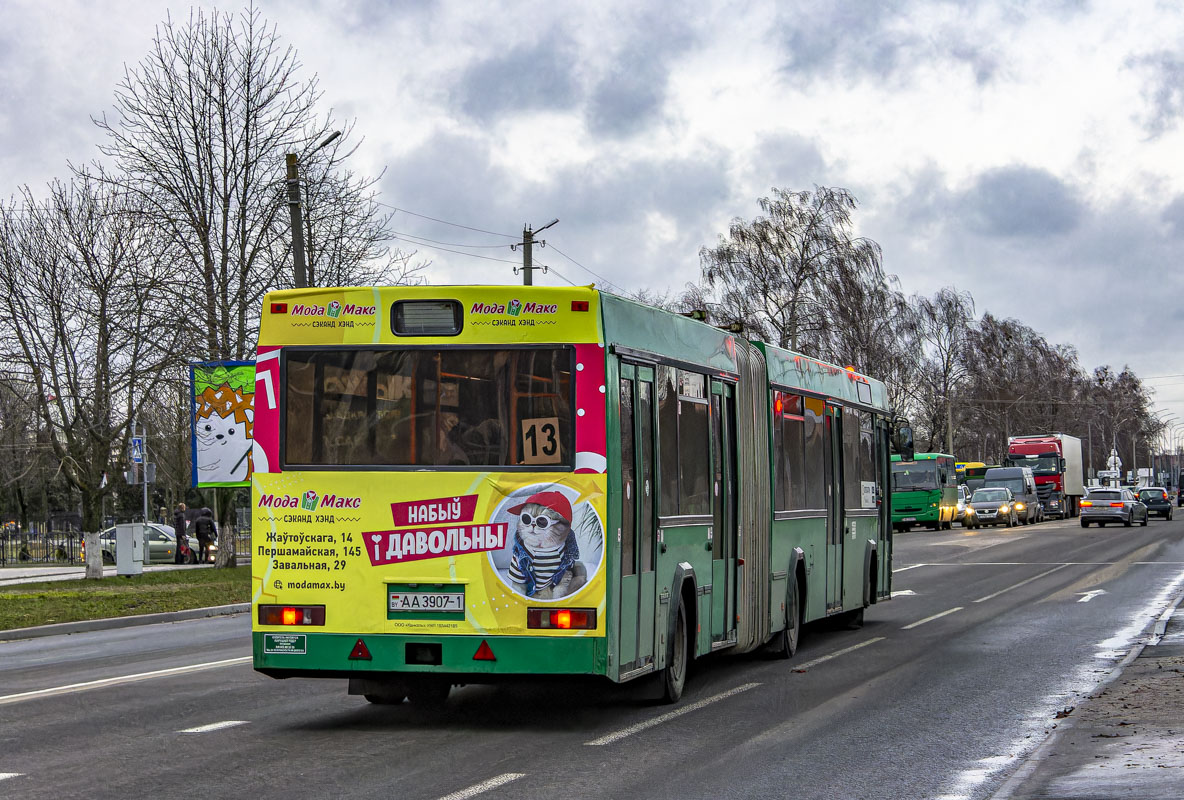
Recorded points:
461,485
924,491
972,473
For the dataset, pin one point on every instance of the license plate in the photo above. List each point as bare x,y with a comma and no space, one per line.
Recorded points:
427,601
909,519
987,514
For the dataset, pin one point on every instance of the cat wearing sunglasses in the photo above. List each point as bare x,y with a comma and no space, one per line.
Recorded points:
546,560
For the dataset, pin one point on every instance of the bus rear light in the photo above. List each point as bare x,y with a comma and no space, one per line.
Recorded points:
484,652
561,618
360,652
579,305
291,615
279,308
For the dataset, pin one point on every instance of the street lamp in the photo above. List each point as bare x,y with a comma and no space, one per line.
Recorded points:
293,164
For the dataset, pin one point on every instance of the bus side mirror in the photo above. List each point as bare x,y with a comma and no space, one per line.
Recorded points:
902,439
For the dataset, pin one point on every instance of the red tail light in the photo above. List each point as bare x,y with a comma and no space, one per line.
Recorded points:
360,652
1086,502
561,618
1116,505
291,615
279,308
1165,495
484,652
579,305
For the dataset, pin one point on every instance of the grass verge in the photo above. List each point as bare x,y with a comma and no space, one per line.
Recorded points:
29,604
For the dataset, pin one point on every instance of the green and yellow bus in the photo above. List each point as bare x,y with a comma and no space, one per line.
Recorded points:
467,484
924,491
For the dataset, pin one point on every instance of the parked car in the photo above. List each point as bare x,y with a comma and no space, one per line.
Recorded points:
964,508
162,545
1112,505
994,506
1022,484
1157,501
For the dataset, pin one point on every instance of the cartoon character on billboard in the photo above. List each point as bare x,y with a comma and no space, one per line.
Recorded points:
223,435
555,546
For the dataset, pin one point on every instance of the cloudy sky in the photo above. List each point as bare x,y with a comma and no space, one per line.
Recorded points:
1026,151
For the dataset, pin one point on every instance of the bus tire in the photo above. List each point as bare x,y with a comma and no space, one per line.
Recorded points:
785,643
674,674
429,693
394,699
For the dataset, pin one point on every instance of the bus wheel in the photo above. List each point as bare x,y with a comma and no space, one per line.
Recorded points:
392,699
785,644
674,676
429,693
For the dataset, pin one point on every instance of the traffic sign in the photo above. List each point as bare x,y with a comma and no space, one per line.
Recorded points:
137,449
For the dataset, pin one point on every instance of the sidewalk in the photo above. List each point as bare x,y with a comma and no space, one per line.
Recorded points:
13,575
1126,740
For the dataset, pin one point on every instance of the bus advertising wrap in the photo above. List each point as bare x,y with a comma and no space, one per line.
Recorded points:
508,541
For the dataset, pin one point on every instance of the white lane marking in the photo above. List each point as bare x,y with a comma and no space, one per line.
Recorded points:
6,775
1090,595
649,723
1021,583
484,786
931,619
215,726
906,569
836,654
903,593
141,676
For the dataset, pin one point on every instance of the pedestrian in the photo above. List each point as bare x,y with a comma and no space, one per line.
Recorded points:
179,529
206,532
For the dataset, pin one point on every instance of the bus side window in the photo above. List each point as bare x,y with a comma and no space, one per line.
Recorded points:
667,442
792,433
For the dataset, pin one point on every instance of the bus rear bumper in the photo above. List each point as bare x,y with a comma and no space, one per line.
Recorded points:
282,654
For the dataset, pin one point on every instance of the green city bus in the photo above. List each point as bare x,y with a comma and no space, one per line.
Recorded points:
459,485
924,491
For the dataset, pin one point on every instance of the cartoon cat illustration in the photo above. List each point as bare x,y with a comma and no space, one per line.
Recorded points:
546,561
222,448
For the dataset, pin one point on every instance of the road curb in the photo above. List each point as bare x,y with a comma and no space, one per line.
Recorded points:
1154,630
82,626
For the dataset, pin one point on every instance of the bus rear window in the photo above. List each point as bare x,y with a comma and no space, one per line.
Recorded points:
470,408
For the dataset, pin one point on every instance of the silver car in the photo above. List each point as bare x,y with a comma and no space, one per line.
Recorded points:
162,545
994,505
1112,505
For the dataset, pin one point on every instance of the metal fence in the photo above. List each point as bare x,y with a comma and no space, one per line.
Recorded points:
48,547
65,547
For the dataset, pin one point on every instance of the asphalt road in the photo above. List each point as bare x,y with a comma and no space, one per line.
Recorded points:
941,694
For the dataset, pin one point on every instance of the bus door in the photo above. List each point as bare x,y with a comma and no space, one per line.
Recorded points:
724,511
833,449
635,630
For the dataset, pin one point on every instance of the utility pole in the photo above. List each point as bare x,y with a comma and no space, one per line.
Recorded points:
949,424
527,243
297,224
293,163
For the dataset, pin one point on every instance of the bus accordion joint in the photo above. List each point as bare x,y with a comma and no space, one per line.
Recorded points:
291,615
561,618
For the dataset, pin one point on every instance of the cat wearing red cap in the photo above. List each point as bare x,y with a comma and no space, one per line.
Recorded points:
546,561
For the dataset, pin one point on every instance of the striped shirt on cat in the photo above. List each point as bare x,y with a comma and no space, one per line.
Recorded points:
546,561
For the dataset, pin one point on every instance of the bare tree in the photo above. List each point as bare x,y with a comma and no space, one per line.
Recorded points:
201,127
86,321
772,273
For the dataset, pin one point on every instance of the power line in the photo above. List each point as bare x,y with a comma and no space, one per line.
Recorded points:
449,244
590,272
458,252
444,221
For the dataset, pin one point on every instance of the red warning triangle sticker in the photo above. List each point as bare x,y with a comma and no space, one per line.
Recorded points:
360,652
484,652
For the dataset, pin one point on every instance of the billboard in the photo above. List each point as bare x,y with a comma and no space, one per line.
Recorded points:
223,418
